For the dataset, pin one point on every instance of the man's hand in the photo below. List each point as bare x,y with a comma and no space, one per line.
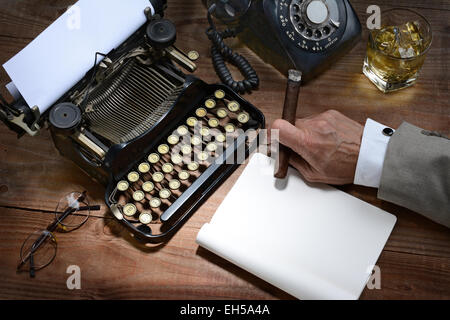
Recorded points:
325,146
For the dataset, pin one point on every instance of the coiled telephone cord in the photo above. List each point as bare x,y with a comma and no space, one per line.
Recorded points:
220,53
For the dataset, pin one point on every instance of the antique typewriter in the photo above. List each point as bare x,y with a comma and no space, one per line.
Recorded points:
159,140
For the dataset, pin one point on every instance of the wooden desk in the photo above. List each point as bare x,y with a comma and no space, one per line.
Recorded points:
415,263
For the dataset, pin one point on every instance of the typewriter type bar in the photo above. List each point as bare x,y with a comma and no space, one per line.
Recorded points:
168,182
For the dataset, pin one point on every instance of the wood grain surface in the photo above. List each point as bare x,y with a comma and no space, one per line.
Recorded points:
415,263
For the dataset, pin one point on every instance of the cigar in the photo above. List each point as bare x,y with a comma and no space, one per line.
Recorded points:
289,113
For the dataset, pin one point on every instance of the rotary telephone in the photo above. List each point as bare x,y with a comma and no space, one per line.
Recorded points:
307,35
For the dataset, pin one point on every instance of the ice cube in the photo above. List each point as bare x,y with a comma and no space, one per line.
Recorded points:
385,40
406,53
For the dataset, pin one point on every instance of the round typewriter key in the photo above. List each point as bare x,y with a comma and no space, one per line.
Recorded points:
210,103
204,131
222,113
230,128
184,175
158,177
219,94
243,117
148,186
174,184
122,185
201,112
233,106
191,121
129,209
133,176
186,149
211,146
138,195
193,55
145,218
202,156
165,194
144,167
213,123
167,168
221,138
193,166
182,130
153,158
163,149
155,202
196,140
173,139
176,159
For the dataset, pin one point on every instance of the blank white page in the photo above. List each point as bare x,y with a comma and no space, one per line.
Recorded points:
62,54
312,241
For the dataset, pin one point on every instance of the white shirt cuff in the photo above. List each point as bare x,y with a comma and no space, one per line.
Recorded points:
371,155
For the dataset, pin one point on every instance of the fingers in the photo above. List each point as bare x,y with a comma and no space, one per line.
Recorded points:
301,165
291,136
306,170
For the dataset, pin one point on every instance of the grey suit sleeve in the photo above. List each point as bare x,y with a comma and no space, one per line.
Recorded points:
416,173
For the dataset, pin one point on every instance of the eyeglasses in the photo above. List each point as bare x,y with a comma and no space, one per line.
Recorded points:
39,248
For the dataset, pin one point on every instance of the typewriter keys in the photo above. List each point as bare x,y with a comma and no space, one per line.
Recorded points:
196,140
153,158
173,139
165,193
145,218
203,156
176,159
193,166
174,184
222,113
210,103
153,197
204,131
129,210
233,106
163,149
219,94
243,117
138,195
123,185
186,149
193,55
148,186
230,128
211,147
192,121
213,122
158,177
133,176
201,112
166,168
182,130
184,175
144,167
155,202
221,138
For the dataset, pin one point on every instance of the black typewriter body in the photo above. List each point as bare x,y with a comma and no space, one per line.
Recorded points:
120,123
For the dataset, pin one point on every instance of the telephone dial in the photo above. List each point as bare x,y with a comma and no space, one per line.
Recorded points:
307,35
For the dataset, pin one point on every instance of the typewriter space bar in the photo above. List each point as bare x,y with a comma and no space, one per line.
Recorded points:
229,155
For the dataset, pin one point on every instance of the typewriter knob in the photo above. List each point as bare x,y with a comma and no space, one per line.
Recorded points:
161,33
65,116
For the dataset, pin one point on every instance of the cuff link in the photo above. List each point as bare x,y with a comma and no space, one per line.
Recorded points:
388,132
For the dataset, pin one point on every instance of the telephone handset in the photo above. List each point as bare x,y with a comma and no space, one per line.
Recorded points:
307,35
